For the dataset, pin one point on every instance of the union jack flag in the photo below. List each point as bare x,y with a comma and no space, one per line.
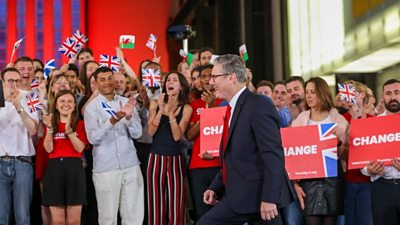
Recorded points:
48,67
151,78
108,109
347,92
69,48
35,84
111,62
329,155
151,43
79,38
33,102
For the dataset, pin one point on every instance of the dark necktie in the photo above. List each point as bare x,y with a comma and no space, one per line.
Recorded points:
225,140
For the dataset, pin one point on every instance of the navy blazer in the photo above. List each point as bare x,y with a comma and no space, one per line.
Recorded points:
254,157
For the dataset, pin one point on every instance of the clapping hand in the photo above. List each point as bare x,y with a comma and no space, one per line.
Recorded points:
118,116
68,127
160,102
47,119
128,107
208,97
16,98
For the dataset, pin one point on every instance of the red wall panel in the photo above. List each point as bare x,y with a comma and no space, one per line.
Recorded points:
107,20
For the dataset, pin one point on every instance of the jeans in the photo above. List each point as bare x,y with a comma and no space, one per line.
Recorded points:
358,204
291,214
16,179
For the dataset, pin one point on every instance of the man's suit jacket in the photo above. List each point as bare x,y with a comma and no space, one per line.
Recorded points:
254,157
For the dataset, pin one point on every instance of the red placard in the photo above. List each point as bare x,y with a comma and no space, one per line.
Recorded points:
310,151
211,128
376,138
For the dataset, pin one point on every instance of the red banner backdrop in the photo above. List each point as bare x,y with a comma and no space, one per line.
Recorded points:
44,25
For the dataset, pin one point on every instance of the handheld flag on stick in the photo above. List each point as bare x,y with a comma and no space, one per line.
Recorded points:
16,46
111,62
151,78
127,41
188,57
108,109
33,102
243,52
79,38
48,67
347,92
151,43
69,48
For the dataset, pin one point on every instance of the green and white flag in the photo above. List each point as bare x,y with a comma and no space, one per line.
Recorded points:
127,41
243,52
188,57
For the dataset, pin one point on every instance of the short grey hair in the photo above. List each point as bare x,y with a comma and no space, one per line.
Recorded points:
233,64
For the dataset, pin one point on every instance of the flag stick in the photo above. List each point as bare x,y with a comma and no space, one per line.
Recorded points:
12,55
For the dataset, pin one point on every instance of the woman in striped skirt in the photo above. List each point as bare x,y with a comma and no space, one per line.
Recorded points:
168,120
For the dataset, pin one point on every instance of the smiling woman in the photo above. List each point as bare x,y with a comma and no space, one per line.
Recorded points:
64,185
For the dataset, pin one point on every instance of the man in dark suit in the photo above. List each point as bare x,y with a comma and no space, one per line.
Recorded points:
252,182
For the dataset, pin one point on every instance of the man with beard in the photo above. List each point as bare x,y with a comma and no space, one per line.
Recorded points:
386,179
295,88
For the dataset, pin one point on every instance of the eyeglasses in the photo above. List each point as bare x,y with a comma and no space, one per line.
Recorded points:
213,76
12,81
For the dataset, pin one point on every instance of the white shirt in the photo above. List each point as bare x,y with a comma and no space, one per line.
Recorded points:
113,147
389,172
233,101
14,137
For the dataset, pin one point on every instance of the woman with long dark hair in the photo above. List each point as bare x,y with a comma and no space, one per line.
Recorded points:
322,200
168,120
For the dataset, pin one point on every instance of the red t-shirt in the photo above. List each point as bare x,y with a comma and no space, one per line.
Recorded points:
355,175
195,160
62,146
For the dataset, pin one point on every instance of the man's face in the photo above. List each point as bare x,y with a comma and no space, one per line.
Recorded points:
280,96
72,78
120,83
12,80
84,57
220,82
265,90
296,91
391,97
205,78
105,83
205,57
25,68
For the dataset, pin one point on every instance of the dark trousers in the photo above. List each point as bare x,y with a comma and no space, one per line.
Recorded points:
143,152
386,202
222,214
200,180
89,214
